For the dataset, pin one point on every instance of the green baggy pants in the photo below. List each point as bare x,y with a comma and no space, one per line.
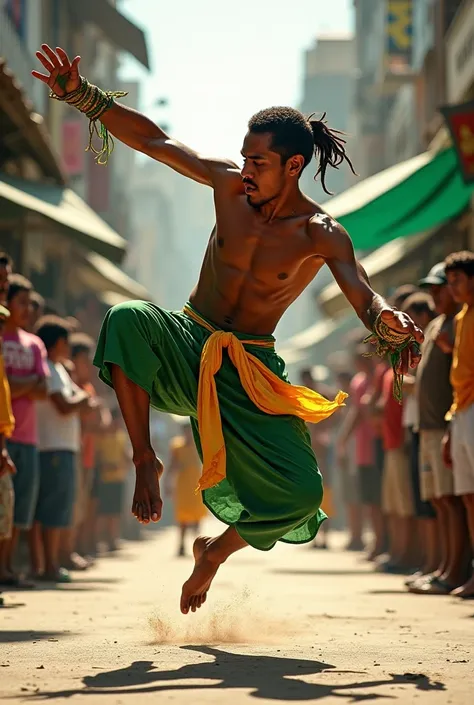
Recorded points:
273,488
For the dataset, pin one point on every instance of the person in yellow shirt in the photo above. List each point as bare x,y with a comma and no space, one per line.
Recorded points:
7,468
182,479
7,424
459,444
114,461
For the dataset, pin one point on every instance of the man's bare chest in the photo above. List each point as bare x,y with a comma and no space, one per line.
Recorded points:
266,251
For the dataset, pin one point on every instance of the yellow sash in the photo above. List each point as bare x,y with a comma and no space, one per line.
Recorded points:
268,392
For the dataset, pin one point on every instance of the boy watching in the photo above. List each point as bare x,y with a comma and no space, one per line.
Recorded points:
460,275
59,444
93,424
27,370
435,397
114,459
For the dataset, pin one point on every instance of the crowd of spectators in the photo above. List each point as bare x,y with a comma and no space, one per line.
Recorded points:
64,451
406,471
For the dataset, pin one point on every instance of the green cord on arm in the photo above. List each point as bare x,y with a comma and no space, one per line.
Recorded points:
93,102
391,344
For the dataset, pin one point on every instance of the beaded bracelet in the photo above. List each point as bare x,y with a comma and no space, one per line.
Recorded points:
93,102
391,343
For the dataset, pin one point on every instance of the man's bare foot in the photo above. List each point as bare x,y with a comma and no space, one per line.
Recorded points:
147,504
195,589
466,591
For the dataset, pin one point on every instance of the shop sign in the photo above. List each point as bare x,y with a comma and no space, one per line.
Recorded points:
460,122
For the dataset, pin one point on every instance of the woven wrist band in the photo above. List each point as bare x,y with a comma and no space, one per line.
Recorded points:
390,343
93,102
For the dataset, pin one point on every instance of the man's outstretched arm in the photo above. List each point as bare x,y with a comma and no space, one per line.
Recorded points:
134,129
333,244
141,133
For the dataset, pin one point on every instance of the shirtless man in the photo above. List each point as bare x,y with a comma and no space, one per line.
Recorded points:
260,475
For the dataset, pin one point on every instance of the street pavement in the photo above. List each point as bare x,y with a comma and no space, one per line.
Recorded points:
293,624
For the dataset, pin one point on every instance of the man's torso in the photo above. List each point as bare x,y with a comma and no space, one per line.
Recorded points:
88,438
58,431
253,270
364,432
433,388
22,354
392,429
7,420
462,371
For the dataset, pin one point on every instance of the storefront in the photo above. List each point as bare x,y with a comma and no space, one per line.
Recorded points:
460,84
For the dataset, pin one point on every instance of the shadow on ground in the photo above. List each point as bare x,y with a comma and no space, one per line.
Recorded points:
58,587
11,637
401,591
284,571
264,676
89,579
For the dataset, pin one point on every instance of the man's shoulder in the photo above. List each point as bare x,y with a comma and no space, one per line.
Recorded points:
57,374
462,313
434,327
327,235
31,340
321,222
226,176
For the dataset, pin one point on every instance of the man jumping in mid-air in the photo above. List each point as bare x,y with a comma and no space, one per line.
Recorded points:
215,360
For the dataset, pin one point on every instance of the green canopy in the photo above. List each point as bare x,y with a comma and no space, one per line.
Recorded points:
417,195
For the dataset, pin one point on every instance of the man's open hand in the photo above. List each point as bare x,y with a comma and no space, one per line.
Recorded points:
63,75
401,323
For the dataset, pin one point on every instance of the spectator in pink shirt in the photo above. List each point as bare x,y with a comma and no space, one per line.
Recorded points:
26,367
360,424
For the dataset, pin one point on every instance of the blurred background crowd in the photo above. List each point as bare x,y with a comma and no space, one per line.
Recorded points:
398,77
405,472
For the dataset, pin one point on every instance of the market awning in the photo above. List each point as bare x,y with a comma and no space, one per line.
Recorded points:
412,197
115,286
66,208
123,33
23,131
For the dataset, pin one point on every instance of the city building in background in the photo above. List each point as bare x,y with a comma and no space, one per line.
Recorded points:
414,61
64,220
328,87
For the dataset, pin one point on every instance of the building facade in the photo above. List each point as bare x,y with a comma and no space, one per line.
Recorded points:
50,189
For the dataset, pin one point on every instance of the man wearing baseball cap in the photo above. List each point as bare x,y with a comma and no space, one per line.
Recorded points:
434,395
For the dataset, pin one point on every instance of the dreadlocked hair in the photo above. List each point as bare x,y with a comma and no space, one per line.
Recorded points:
329,148
293,133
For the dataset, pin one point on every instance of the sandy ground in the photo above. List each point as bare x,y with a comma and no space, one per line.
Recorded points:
290,625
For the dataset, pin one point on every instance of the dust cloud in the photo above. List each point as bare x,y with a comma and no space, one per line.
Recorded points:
236,622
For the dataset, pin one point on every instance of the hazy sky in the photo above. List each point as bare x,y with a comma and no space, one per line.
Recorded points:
219,61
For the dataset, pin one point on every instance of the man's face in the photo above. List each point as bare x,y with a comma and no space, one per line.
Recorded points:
5,272
419,319
19,307
36,313
83,365
62,350
442,297
462,286
263,174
